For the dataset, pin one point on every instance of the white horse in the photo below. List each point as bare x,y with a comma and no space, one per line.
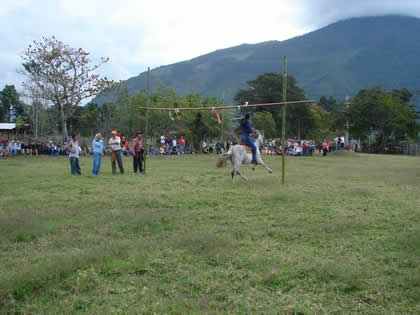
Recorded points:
238,156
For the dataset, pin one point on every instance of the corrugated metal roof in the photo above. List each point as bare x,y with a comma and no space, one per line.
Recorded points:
7,126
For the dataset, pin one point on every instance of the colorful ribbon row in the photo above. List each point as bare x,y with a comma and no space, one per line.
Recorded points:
176,110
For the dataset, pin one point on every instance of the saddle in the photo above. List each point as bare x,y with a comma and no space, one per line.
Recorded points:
247,148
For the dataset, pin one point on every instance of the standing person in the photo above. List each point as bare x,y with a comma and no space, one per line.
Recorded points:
324,147
21,148
311,148
304,149
218,148
4,140
15,148
98,149
246,131
162,140
181,145
174,142
74,149
168,142
11,148
115,144
204,147
138,153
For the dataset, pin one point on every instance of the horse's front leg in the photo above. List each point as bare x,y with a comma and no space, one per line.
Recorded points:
265,166
243,177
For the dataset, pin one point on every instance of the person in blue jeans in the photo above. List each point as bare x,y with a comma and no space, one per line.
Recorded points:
114,143
74,149
98,149
246,131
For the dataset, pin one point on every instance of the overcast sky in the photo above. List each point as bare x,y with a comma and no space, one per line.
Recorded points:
136,34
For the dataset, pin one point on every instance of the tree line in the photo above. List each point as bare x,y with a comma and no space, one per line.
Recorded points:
59,79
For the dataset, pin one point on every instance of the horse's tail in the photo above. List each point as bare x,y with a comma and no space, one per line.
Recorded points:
221,162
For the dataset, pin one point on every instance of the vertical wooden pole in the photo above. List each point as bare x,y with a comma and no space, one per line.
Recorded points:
146,127
346,136
283,124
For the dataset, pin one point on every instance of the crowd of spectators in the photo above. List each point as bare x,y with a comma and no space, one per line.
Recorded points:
170,145
14,147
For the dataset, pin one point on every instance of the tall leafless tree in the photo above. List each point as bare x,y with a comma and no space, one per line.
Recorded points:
64,75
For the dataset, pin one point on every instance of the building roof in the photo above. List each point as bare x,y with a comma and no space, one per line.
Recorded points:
7,126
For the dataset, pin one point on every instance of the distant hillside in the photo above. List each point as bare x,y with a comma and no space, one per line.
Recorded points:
337,60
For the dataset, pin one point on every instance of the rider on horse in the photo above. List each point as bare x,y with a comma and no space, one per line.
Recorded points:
246,131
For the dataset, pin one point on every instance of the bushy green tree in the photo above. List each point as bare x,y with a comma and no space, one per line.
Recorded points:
19,122
264,121
328,103
387,114
321,123
9,99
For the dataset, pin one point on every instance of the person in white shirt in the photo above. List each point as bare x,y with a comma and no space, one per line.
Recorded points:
174,142
11,148
204,147
342,142
297,150
114,143
14,148
74,149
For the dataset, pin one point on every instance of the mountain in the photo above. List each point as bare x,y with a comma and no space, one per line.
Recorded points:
336,60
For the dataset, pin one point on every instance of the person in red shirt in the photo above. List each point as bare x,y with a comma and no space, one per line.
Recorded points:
304,149
4,140
181,143
138,153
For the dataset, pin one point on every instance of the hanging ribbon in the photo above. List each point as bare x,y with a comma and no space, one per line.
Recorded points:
213,109
177,113
170,115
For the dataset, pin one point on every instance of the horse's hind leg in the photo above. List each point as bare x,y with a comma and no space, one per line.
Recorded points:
236,170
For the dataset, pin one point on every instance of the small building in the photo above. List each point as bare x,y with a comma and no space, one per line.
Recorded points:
10,129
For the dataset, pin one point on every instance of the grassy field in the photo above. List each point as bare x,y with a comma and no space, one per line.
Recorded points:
342,236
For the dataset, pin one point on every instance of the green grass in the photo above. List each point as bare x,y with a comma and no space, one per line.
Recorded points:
342,236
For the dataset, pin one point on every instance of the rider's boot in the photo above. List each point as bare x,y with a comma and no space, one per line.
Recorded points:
254,163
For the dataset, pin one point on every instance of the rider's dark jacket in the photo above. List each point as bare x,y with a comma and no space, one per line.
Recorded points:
246,128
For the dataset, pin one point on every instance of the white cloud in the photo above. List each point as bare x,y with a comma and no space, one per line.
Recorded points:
136,34
321,12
